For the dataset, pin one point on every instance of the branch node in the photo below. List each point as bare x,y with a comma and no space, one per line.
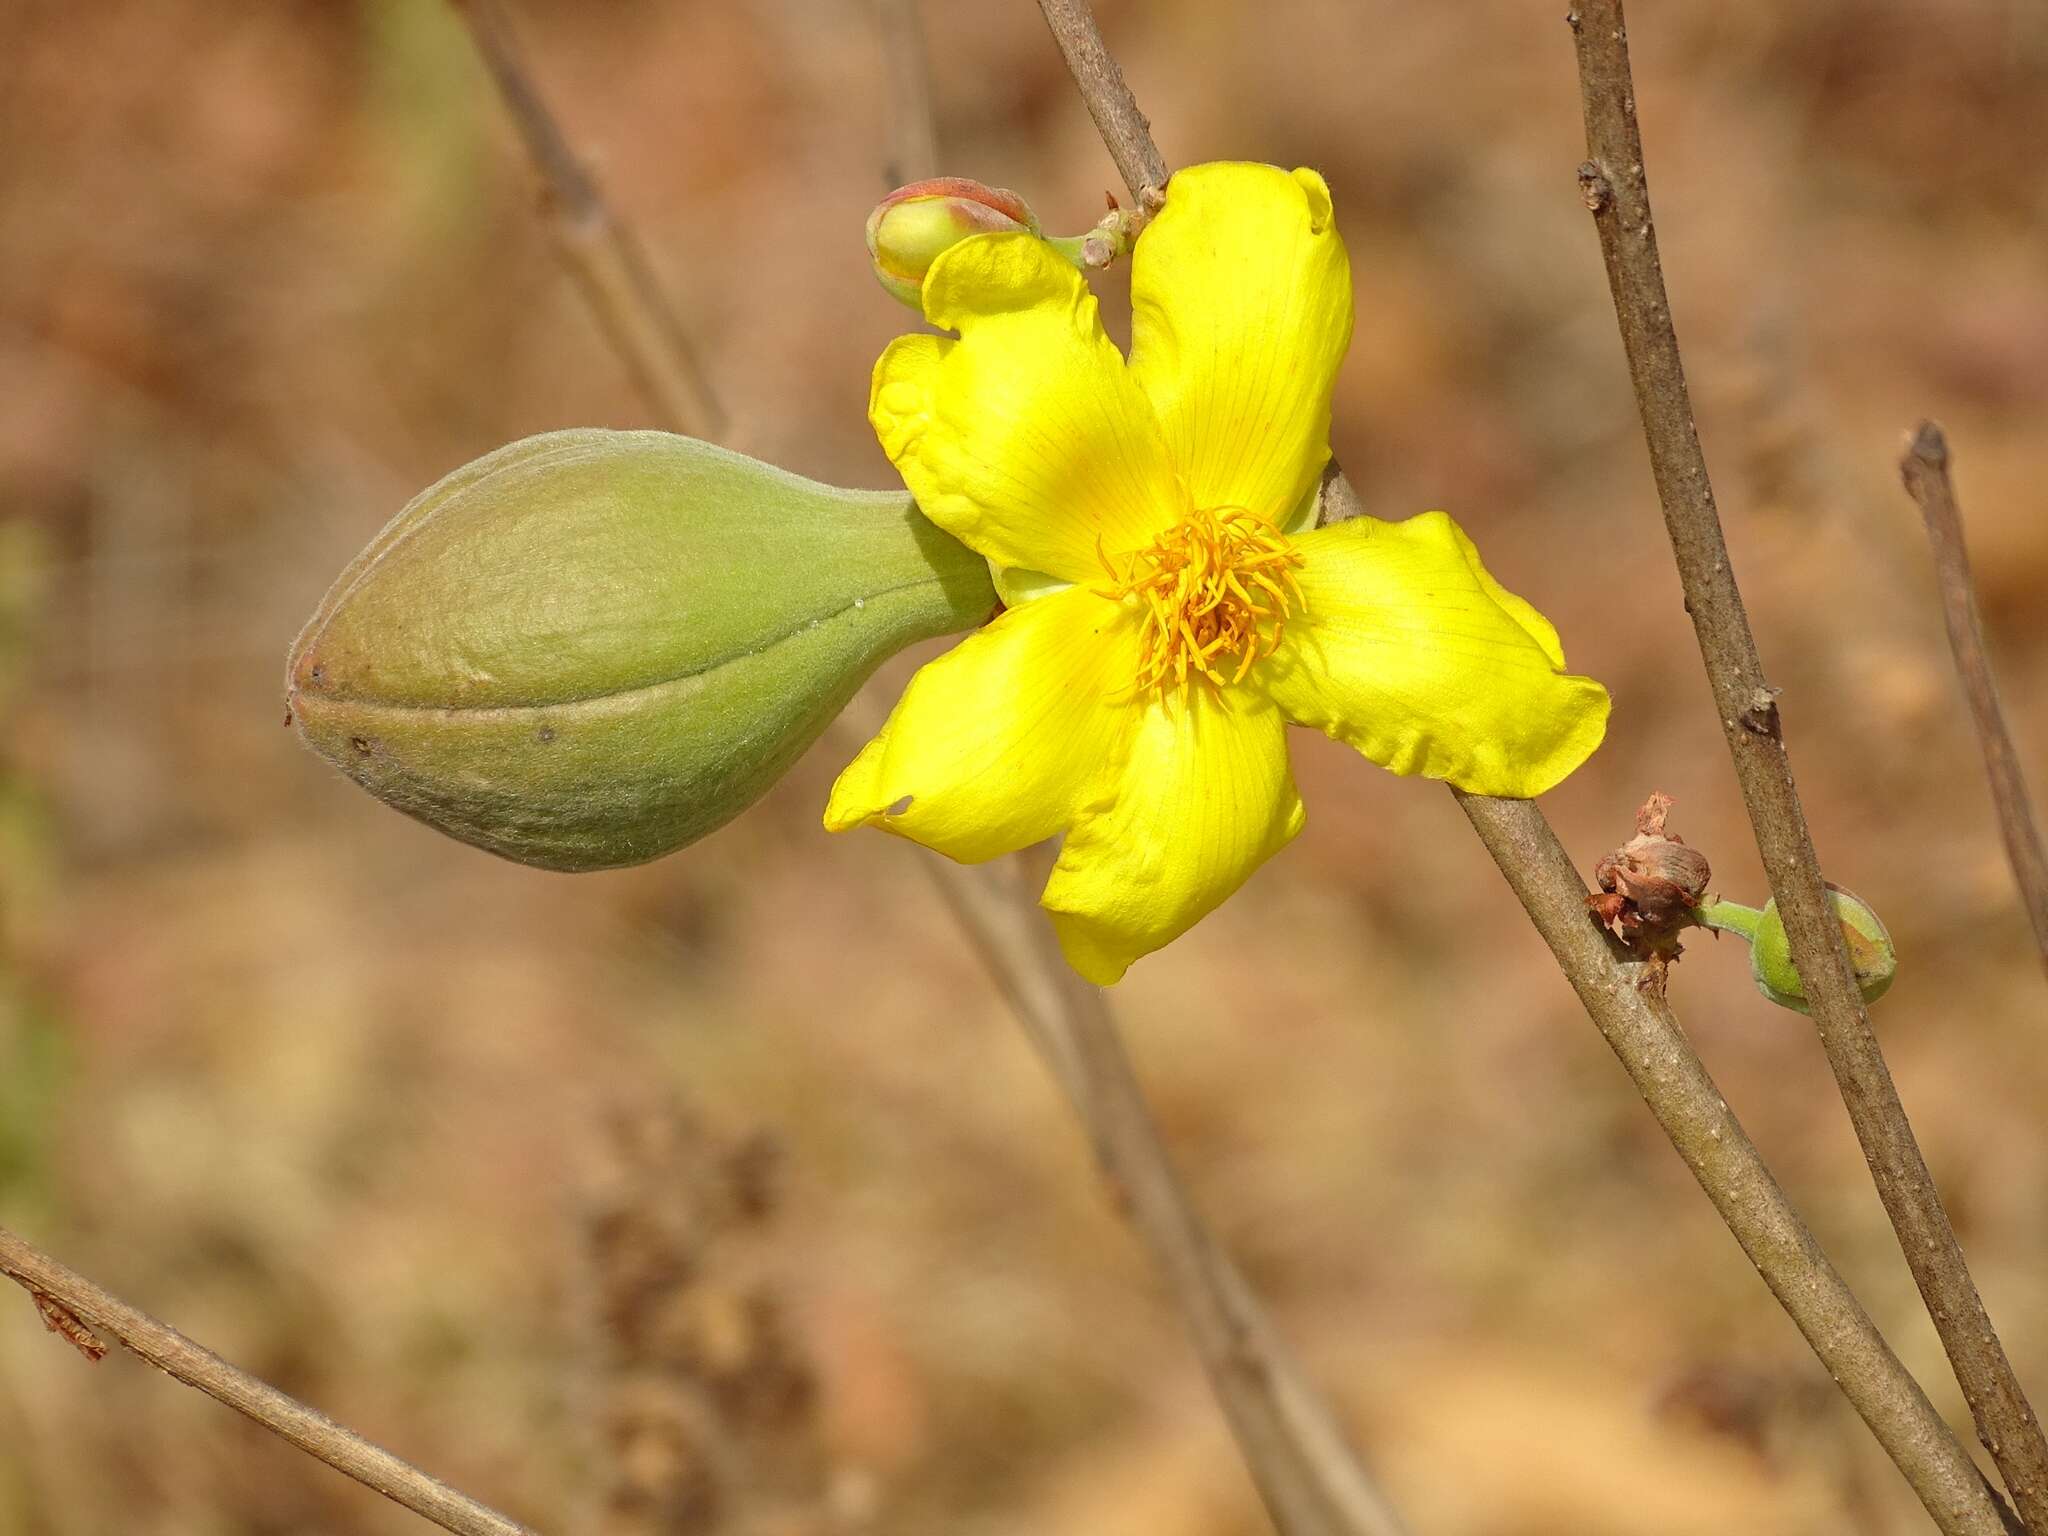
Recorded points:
1760,716
1594,188
65,1298
1926,453
1650,888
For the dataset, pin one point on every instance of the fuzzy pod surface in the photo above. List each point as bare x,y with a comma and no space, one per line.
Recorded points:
591,648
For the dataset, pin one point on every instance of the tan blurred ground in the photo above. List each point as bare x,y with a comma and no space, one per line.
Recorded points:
328,1091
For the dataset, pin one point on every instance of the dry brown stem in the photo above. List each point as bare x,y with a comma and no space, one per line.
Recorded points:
1616,191
1924,468
1299,1456
99,1314
600,250
1124,129
1653,1048
1303,1464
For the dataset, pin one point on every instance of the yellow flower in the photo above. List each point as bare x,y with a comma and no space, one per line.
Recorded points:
1171,607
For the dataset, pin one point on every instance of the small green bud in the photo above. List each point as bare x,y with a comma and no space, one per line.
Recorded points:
912,225
1871,954
590,648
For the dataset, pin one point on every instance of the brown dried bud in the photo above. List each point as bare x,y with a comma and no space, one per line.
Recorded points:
1651,885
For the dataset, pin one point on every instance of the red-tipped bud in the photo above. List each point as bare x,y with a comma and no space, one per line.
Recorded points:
913,225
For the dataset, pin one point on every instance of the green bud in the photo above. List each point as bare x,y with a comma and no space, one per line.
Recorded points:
913,225
1871,954
590,648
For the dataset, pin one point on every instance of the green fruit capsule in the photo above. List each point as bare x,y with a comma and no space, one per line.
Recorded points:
591,648
1871,954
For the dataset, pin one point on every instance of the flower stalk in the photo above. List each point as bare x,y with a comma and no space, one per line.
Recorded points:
1729,917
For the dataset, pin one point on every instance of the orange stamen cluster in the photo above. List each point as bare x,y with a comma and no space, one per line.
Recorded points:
1215,591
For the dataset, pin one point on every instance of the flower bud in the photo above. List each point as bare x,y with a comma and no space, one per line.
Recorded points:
913,225
590,648
1871,954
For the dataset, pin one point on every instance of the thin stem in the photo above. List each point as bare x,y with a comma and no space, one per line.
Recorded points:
1924,468
993,905
1616,191
601,251
1299,1457
1073,248
78,1309
1304,1466
1125,132
1915,1432
1654,1050
1730,917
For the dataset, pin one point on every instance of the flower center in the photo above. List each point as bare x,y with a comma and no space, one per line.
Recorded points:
1215,592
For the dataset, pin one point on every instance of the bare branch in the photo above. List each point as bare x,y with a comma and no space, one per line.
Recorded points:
1924,468
1124,130
97,1313
1651,1045
1616,191
600,250
1127,134
1299,1457
1305,1468
913,134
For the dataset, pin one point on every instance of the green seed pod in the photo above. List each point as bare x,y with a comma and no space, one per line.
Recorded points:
1871,954
590,648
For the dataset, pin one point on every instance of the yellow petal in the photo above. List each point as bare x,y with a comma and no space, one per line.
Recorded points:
1411,652
1001,741
1203,799
1240,314
1026,439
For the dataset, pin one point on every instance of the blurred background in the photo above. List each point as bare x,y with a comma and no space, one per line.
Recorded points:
723,1195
